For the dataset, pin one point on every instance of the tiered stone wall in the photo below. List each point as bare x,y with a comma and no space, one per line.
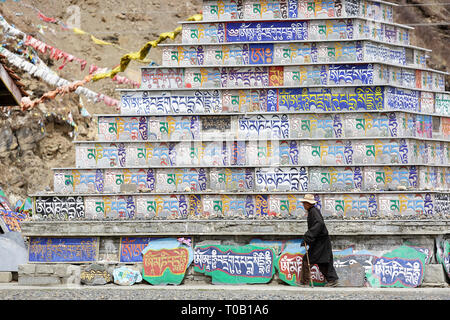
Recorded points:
251,111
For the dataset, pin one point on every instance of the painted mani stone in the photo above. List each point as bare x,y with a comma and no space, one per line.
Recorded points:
235,264
400,268
96,274
290,263
289,266
165,261
126,276
443,253
427,251
49,250
131,248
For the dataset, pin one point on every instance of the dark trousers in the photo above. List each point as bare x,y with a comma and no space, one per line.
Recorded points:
327,269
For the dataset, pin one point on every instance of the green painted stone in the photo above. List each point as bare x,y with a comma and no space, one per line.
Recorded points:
165,261
289,267
400,268
443,254
235,264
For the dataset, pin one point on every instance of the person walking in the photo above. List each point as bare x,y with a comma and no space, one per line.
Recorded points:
319,242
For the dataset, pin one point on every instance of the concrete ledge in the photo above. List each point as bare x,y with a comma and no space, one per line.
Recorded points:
39,281
231,227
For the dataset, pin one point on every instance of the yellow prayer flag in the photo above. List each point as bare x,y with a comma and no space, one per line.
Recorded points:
142,53
78,31
98,41
196,17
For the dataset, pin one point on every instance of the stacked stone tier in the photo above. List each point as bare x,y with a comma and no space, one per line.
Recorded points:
230,205
349,178
235,10
292,53
273,126
312,76
203,32
287,100
272,152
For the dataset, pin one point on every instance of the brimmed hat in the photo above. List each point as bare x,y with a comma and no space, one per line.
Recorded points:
308,198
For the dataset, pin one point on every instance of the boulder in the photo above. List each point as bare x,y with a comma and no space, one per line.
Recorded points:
126,276
96,274
352,275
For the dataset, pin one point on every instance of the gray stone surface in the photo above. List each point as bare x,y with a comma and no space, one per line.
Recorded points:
434,274
39,281
351,276
12,251
27,269
232,227
45,269
48,274
73,270
109,249
145,291
74,280
62,270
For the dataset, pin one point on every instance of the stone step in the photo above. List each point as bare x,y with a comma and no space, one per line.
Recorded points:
203,32
291,10
268,126
227,227
255,206
290,53
320,100
342,75
283,152
264,179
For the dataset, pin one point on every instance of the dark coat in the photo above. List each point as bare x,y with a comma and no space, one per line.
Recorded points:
317,238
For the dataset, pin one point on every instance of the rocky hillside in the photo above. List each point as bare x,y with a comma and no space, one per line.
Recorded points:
33,142
429,35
